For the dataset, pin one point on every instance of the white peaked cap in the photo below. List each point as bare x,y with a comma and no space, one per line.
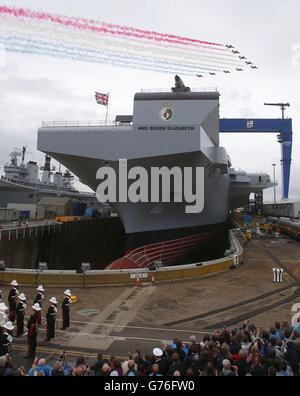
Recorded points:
8,326
53,300
3,307
14,283
36,307
22,297
157,352
68,293
40,288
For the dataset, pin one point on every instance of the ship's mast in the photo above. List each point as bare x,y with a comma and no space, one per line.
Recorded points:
46,170
14,158
23,155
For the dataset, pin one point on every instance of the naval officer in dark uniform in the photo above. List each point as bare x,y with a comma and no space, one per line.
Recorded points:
21,314
6,339
66,310
32,326
12,300
51,318
39,298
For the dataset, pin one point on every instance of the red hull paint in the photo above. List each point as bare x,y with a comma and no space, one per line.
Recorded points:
169,252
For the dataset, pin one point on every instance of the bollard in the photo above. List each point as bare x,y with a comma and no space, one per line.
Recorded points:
274,275
42,267
281,275
137,283
236,260
278,275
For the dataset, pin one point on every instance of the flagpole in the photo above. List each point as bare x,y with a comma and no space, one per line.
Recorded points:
106,118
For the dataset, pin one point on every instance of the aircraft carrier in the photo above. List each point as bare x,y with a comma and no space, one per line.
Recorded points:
21,183
174,128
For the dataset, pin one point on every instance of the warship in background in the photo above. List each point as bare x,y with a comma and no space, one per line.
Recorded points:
22,185
177,127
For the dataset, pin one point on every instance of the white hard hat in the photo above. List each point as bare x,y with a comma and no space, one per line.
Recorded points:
53,300
14,283
40,288
36,307
8,326
68,293
22,297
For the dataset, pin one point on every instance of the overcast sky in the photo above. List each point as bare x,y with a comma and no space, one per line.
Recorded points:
36,88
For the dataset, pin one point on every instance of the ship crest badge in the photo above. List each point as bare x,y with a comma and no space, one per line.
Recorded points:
166,113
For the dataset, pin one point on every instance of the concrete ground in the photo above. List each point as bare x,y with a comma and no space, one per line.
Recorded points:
117,320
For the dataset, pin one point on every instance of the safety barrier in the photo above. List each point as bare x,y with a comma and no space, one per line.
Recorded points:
125,277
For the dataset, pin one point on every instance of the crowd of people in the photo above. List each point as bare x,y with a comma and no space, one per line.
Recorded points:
244,351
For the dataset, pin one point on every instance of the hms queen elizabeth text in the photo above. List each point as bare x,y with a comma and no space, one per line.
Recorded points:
185,128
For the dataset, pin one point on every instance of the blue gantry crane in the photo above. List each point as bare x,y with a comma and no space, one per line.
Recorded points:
282,126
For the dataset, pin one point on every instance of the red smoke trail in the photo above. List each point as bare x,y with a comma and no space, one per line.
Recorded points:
127,32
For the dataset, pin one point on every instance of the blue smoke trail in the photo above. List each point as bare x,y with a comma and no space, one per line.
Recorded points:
120,55
89,60
96,56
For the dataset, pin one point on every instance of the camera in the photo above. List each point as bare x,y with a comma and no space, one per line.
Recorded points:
62,356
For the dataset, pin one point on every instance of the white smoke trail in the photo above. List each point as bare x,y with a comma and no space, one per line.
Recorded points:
74,36
2,56
22,42
83,38
69,54
86,40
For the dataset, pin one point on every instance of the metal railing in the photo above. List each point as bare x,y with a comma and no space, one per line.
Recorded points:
40,186
206,89
55,124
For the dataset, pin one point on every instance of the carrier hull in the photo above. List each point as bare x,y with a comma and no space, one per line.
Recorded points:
168,129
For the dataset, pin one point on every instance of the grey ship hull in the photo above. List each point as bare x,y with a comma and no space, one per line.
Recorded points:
14,193
147,223
154,231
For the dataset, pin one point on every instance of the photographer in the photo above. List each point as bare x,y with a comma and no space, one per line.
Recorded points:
62,367
82,368
7,368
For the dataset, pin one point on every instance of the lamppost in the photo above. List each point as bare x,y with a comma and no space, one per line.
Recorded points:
274,177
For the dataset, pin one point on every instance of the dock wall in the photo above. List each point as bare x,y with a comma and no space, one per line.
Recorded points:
63,246
125,277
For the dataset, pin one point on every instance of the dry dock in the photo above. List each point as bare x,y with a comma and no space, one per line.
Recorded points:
115,320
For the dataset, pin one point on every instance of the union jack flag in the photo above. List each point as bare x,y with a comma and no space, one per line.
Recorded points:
102,99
